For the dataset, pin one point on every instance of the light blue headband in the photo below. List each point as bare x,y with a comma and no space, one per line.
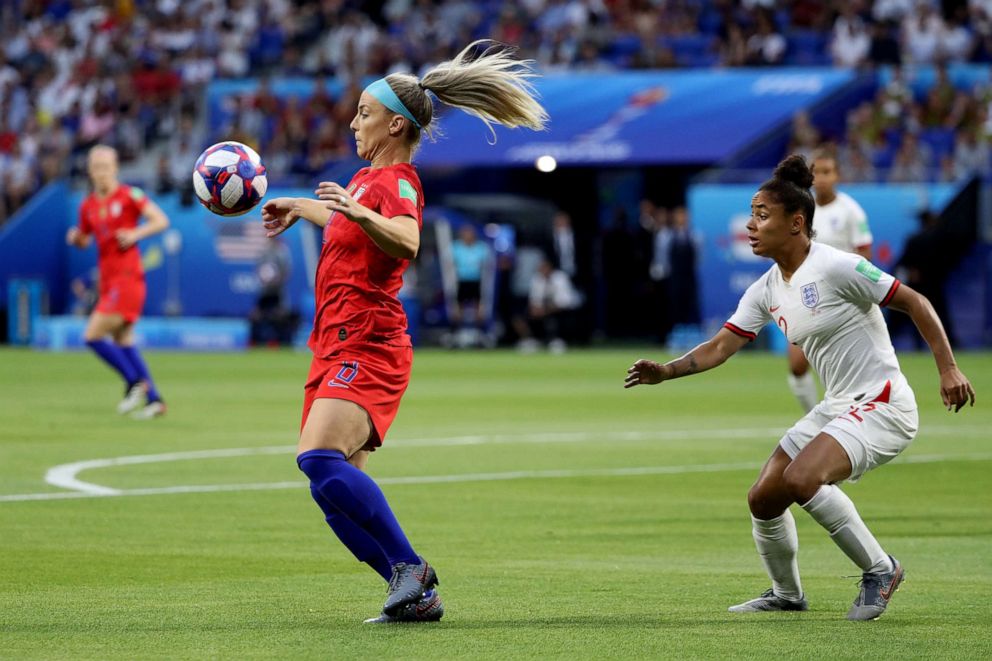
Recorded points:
385,95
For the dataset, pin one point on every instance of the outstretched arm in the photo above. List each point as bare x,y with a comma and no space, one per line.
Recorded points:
281,213
155,222
955,389
707,355
78,238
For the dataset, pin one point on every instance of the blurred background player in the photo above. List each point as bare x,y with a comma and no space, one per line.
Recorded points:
472,261
362,358
927,260
828,301
110,213
683,251
272,320
842,224
552,306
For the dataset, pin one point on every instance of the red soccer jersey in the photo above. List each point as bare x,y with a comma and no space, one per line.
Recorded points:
357,283
103,217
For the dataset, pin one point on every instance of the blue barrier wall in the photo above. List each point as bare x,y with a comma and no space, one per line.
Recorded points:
60,333
32,244
727,266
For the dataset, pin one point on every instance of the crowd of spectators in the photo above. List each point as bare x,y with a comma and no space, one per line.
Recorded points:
941,133
131,72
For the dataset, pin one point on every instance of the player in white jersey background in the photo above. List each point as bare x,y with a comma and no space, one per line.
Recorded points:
826,301
842,224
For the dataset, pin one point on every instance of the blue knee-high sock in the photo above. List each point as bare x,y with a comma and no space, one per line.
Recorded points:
113,356
359,542
133,356
359,498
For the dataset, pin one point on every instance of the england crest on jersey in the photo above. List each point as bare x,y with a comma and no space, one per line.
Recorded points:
810,295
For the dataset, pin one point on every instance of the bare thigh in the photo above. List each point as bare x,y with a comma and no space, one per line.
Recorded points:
798,365
337,424
124,335
101,325
822,461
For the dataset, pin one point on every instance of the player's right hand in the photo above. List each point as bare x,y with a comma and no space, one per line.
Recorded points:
645,372
278,215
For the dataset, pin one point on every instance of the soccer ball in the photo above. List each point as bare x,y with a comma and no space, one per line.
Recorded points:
229,178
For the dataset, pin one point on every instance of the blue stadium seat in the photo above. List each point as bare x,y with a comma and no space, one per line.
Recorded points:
807,47
710,22
625,45
883,158
940,140
893,137
691,49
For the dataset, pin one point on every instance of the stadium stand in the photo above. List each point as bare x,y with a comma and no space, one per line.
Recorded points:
131,73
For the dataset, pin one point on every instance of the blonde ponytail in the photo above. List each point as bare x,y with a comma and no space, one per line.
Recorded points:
493,86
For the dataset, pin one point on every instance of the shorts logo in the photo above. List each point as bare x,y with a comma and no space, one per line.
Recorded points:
810,295
345,375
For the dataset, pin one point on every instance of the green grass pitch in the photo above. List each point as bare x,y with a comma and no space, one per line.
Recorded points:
566,516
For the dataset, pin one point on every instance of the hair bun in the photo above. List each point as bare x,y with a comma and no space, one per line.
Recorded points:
795,170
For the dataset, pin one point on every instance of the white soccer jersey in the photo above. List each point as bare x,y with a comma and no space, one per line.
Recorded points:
830,308
842,224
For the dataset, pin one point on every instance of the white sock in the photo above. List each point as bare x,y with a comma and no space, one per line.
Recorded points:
832,509
778,545
804,388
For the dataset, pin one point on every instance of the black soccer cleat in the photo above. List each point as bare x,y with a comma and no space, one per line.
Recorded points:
408,584
876,591
430,608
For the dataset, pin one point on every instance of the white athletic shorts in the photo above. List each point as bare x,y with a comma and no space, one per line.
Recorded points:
872,430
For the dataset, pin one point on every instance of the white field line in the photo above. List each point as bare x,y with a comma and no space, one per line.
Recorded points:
465,477
64,475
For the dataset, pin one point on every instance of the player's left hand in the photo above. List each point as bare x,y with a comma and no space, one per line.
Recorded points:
338,199
126,238
956,390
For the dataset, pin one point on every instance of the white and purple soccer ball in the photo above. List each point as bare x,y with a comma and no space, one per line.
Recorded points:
229,178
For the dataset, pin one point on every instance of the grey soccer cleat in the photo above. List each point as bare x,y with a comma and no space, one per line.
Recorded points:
151,410
430,608
769,601
133,398
408,585
876,591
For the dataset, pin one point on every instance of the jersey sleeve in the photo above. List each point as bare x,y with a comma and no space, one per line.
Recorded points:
398,196
752,313
138,199
858,225
859,281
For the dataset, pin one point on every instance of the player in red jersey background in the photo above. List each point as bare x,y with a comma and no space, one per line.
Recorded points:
362,353
110,214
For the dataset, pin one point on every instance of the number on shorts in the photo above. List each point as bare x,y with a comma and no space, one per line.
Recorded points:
347,373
